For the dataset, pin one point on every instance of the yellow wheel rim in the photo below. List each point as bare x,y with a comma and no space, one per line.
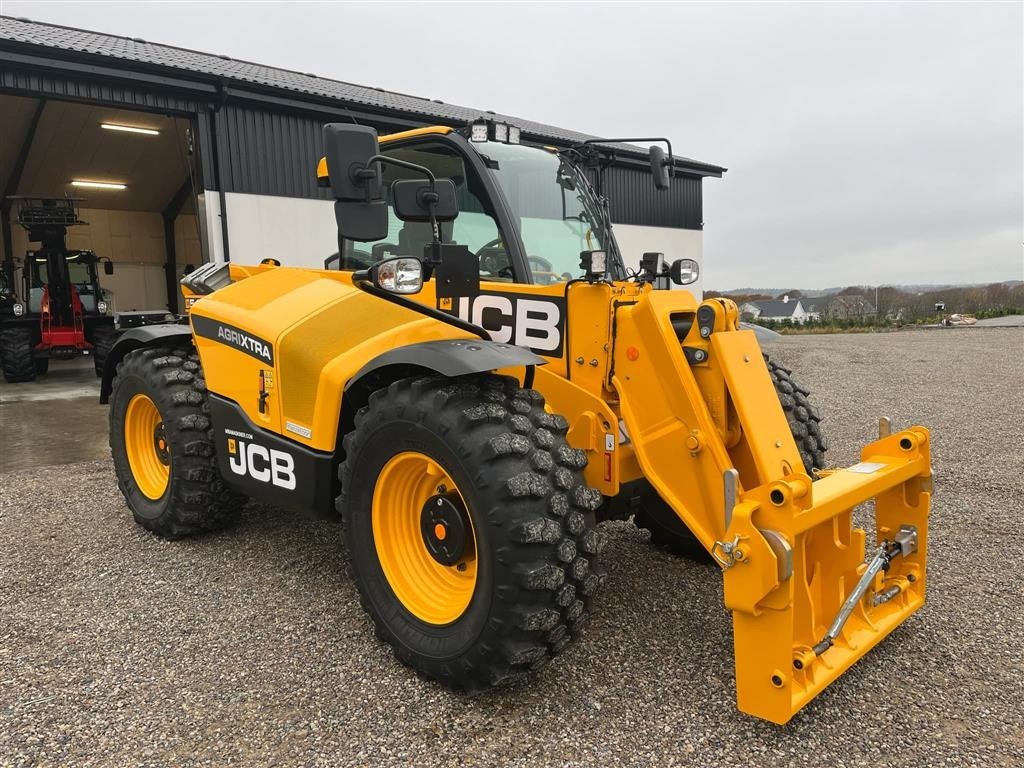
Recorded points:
430,590
149,454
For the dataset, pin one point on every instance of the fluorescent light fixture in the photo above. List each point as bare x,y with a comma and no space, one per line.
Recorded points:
130,129
97,184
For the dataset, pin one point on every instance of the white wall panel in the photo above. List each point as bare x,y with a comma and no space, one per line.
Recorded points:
634,241
295,231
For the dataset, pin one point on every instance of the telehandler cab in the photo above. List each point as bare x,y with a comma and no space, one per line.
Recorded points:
474,383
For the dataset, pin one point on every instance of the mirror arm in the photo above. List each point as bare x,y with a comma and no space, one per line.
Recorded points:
385,160
668,144
431,201
430,198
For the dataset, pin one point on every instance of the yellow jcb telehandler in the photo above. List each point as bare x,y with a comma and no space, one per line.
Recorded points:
473,382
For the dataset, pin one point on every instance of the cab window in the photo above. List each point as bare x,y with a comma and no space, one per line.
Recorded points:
476,226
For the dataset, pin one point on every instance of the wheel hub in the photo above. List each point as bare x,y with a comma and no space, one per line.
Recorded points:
160,444
443,525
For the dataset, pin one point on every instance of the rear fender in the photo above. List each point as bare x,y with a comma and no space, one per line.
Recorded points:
147,336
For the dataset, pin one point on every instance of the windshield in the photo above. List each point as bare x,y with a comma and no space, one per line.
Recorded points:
557,211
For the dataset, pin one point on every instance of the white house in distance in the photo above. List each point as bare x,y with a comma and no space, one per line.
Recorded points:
778,310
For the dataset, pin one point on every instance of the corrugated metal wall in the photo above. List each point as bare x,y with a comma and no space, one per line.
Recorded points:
275,153
269,153
634,199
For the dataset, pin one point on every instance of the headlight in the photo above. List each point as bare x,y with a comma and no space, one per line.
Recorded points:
684,271
398,275
19,309
102,307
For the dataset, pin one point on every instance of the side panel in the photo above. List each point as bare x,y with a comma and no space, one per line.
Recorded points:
283,343
269,468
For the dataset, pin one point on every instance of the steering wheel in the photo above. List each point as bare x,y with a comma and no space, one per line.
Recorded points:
491,244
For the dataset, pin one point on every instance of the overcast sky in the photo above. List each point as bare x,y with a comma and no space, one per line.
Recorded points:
866,143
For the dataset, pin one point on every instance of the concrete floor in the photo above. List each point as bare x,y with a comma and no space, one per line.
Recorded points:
56,419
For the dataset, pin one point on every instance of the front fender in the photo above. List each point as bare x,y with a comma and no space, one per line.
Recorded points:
452,357
146,336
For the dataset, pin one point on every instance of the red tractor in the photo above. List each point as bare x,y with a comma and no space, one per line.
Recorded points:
63,312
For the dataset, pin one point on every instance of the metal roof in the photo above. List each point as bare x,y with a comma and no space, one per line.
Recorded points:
776,307
206,66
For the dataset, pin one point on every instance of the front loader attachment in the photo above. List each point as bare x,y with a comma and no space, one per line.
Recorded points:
805,604
808,595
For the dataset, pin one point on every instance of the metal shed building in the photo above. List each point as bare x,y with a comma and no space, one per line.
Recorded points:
223,166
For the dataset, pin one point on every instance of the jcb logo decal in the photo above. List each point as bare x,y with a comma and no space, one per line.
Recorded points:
263,464
513,318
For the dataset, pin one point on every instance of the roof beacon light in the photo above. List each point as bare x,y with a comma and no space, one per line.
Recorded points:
130,129
501,132
513,134
479,133
97,184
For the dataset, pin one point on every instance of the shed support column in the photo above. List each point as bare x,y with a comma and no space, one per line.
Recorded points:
170,214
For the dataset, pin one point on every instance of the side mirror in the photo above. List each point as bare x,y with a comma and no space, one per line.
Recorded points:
359,209
659,167
401,275
412,198
108,267
349,149
684,271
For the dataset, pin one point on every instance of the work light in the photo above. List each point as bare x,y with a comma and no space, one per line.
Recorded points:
513,134
102,307
19,309
594,265
500,132
478,132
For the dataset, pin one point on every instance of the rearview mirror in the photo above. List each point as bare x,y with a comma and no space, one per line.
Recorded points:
349,149
360,212
684,271
659,167
108,267
412,198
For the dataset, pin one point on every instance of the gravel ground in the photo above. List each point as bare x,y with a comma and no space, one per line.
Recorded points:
249,647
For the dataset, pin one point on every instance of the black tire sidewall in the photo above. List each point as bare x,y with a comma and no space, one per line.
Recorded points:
127,387
437,641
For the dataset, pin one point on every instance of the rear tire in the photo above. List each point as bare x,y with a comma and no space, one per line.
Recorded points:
161,441
16,352
103,338
671,533
533,556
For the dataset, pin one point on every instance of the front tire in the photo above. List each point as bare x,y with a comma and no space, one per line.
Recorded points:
16,353
161,441
478,464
